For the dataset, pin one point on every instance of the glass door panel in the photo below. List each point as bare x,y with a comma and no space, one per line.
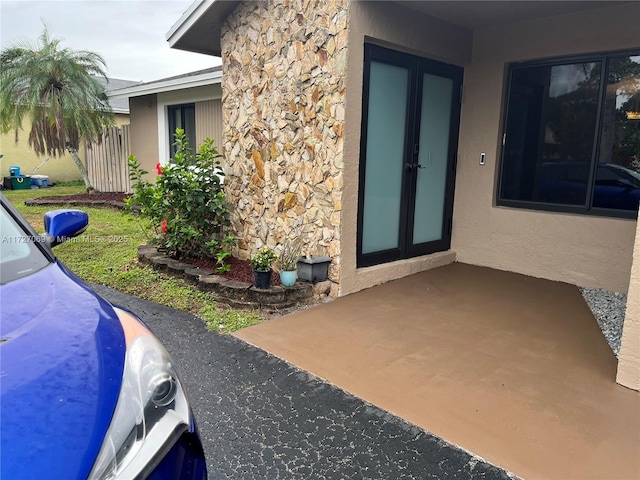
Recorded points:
411,110
433,159
388,85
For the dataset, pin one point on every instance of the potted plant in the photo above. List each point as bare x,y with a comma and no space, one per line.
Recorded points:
289,262
262,262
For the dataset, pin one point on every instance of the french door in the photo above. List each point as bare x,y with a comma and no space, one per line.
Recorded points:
411,115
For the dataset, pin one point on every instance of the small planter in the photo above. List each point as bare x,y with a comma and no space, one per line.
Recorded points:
288,277
314,269
262,279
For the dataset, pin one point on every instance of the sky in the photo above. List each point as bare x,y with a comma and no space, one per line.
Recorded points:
129,34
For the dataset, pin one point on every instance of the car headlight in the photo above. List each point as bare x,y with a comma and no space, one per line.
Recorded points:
152,409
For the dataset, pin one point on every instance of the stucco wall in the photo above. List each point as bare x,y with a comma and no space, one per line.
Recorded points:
406,30
59,169
629,357
144,130
583,250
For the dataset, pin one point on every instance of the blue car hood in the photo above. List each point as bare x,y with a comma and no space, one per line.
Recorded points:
61,363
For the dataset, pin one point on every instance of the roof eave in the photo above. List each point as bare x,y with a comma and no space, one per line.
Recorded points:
198,29
210,78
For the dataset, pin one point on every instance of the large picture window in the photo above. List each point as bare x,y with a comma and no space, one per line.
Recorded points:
184,117
572,136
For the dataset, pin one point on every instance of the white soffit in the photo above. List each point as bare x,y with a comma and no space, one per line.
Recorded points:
198,29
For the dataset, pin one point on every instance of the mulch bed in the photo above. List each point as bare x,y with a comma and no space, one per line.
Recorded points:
241,270
97,196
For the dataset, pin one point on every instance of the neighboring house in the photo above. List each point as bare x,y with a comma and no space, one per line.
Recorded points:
190,101
59,169
352,124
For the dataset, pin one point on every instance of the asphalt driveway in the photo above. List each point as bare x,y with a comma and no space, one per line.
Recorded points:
261,418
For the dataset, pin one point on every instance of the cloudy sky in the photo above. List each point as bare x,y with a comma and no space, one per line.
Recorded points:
129,34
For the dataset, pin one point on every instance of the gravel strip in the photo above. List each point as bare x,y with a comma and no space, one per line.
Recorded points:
609,309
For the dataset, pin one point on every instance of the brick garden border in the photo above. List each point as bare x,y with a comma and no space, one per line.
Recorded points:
230,292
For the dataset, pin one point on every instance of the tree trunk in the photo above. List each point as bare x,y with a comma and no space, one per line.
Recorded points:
83,170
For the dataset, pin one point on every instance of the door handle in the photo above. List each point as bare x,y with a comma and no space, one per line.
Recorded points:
413,165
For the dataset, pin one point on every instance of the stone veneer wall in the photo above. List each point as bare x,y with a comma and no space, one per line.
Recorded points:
283,91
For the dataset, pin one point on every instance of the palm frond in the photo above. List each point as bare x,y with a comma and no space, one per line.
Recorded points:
55,89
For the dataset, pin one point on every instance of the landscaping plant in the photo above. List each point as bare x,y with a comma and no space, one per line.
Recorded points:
264,259
55,90
186,204
106,254
291,251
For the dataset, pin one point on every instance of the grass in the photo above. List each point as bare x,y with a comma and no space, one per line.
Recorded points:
106,253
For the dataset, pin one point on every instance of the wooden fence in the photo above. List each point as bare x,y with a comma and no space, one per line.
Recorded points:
107,161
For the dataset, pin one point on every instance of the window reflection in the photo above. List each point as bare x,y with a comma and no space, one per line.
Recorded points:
551,125
557,113
618,175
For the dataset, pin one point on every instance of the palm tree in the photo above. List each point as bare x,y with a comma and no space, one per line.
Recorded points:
53,87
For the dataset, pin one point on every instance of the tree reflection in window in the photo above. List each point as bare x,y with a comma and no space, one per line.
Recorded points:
571,139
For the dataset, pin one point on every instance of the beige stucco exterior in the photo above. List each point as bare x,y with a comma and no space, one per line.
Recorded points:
59,169
583,250
144,130
395,27
629,356
578,249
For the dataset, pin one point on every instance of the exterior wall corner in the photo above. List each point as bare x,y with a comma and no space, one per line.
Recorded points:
629,357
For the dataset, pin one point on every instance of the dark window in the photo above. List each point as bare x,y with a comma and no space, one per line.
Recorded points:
572,136
184,117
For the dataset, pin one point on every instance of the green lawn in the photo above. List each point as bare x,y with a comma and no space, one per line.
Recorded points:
106,253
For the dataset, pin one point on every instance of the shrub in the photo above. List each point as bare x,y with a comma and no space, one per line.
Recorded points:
186,203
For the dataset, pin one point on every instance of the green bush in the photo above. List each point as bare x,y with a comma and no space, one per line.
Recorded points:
186,203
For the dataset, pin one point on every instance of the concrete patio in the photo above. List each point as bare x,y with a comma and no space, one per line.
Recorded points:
509,367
